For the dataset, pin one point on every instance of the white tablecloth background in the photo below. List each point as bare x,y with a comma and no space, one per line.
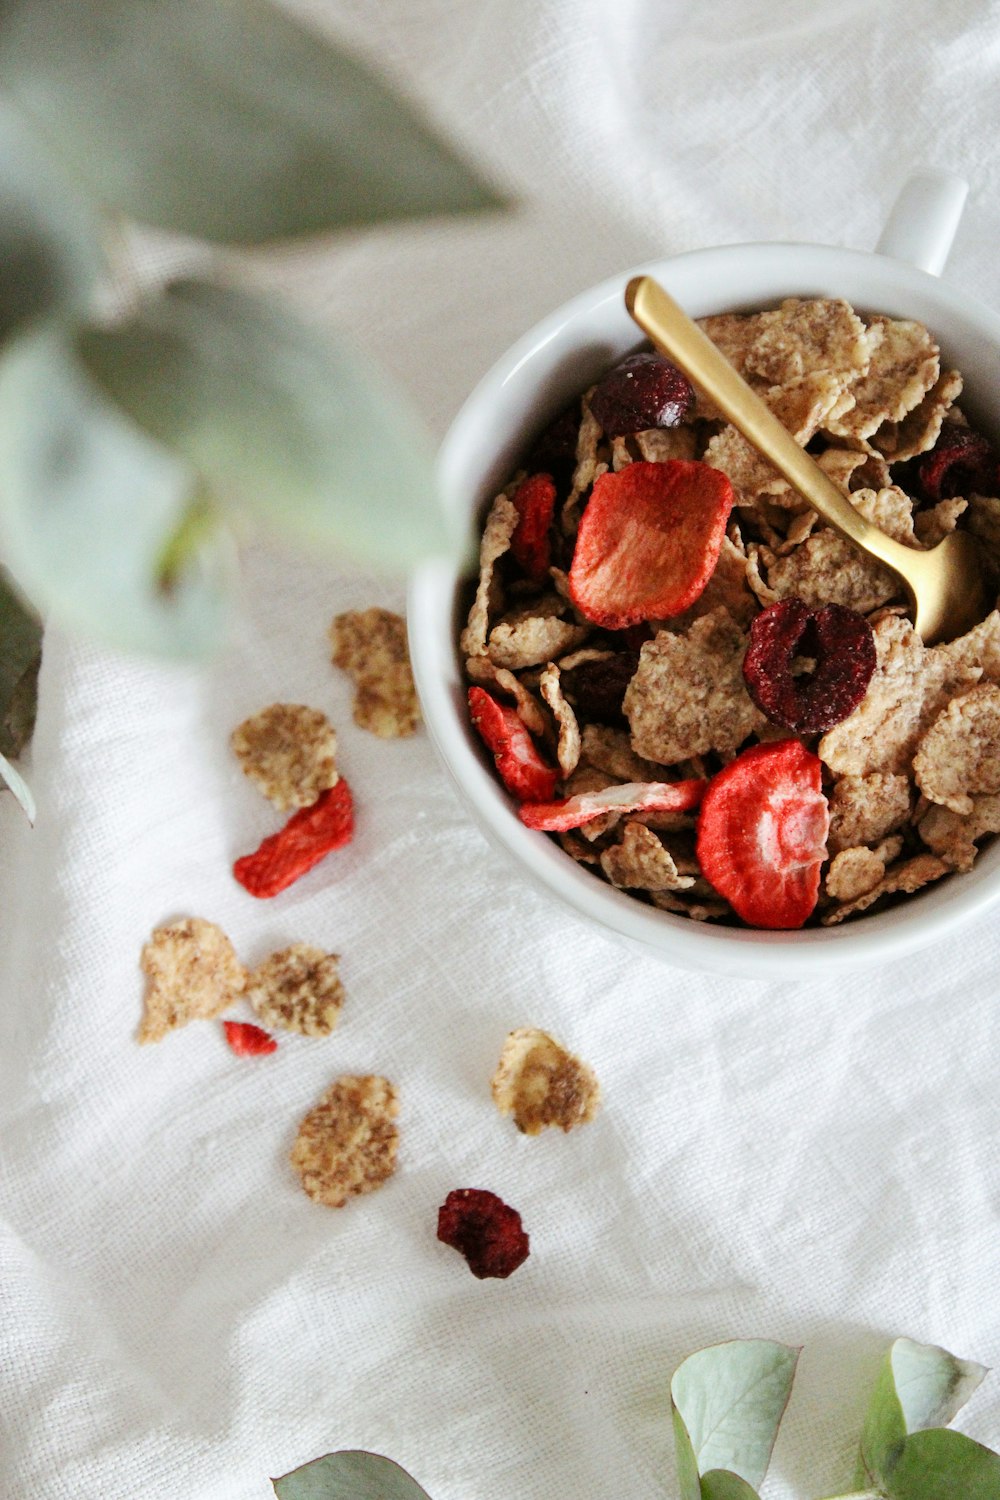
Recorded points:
816,1163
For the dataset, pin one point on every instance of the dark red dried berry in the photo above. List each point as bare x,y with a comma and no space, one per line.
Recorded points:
482,1228
645,390
962,462
597,688
839,644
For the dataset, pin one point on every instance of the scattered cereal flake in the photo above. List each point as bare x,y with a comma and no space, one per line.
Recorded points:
890,509
908,877
984,523
933,525
865,809
500,526
289,752
540,1084
800,528
641,862
749,474
828,569
698,911
954,837
839,464
658,444
371,646
583,657
193,974
347,1144
587,467
853,872
298,989
919,430
904,365
621,454
688,695
959,755
528,637
610,750
756,556
482,670
807,337
568,747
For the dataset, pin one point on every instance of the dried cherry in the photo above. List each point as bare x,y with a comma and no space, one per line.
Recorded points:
645,390
485,1230
836,640
962,462
597,688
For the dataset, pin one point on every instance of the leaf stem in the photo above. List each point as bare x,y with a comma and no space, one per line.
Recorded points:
857,1495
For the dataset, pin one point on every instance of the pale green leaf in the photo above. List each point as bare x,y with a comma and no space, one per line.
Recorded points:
719,1484
731,1398
50,251
688,1478
20,658
280,423
944,1465
225,119
349,1475
87,505
919,1386
11,778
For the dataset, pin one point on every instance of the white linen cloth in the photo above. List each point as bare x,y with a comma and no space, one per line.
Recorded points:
815,1163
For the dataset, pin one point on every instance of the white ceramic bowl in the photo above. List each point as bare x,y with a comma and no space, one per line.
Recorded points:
531,384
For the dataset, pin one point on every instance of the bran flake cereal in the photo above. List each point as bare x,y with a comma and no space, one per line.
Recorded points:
289,752
568,747
298,989
960,753
347,1144
641,862
370,645
193,974
541,1085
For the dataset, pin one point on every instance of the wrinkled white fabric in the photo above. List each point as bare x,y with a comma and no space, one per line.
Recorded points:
815,1163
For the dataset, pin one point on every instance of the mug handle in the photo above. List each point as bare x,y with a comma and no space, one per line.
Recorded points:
922,222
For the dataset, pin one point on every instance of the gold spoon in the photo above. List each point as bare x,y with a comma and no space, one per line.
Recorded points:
945,586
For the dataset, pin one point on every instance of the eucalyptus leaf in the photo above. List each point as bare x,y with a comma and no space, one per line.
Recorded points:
20,658
918,1386
15,782
944,1465
50,249
224,119
719,1484
728,1401
279,423
87,505
349,1475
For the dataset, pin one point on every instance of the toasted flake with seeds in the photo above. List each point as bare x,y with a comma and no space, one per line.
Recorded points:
933,525
953,836
904,365
347,1145
866,809
641,862
540,1084
482,670
500,526
370,645
528,637
904,878
959,756
568,747
193,974
919,430
298,989
610,750
289,752
688,695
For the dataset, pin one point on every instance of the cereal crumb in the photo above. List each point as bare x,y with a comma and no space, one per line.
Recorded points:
299,989
289,752
541,1084
347,1145
193,974
370,645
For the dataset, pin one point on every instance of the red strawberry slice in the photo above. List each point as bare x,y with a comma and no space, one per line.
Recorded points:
633,796
522,770
248,1040
534,501
762,833
648,541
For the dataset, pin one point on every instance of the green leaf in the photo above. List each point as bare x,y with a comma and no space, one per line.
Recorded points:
279,423
349,1475
20,659
224,119
50,251
728,1401
919,1386
15,782
87,504
719,1484
944,1465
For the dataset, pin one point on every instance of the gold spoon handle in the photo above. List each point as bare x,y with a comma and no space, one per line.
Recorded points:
677,336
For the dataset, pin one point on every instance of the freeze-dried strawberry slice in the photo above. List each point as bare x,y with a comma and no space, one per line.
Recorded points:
762,833
248,1040
962,462
486,1230
648,541
522,770
632,796
534,501
645,390
309,836
837,640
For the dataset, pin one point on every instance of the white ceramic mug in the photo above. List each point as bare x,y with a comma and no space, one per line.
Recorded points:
543,371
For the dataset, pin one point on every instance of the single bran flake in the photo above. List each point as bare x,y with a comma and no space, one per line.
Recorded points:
959,756
347,1145
289,752
370,645
193,974
540,1084
298,989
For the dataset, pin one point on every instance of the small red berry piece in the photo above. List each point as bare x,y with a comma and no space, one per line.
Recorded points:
308,836
840,643
485,1230
522,770
962,462
247,1040
762,834
648,541
597,688
534,500
630,797
645,390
